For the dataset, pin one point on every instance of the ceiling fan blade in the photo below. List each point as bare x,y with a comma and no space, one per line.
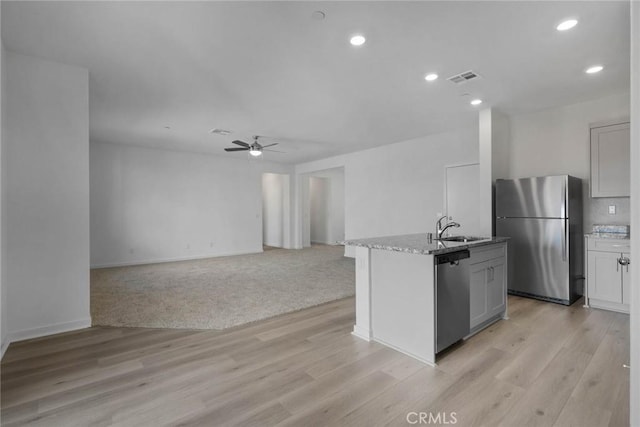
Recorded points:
242,143
275,151
237,149
269,145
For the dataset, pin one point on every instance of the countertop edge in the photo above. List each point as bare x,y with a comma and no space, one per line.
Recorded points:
610,236
456,246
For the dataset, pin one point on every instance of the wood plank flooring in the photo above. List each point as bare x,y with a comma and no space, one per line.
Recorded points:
548,365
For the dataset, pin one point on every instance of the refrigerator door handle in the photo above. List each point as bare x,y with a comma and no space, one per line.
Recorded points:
565,198
564,239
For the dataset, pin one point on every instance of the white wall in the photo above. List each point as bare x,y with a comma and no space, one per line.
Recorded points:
494,147
463,197
635,217
276,210
46,181
150,205
3,311
397,188
556,141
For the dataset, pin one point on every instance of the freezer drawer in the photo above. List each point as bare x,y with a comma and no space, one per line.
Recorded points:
538,257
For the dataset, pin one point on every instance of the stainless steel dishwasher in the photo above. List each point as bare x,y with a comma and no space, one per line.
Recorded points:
452,298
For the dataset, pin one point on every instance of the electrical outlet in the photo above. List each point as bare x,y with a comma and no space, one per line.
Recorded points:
612,209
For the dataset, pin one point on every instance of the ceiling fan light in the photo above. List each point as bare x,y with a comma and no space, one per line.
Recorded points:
255,153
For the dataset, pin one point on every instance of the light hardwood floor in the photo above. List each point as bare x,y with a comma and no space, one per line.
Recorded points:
548,365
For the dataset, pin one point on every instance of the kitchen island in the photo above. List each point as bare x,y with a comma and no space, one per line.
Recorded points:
396,292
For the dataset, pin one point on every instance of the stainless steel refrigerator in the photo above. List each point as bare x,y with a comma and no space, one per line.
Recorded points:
543,218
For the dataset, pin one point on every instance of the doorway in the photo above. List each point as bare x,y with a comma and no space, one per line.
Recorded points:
276,210
324,219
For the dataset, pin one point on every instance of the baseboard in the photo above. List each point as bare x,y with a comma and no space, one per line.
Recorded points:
57,328
606,305
331,243
415,356
361,333
484,325
350,251
161,260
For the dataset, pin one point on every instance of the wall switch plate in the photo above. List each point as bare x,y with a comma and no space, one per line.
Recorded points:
612,209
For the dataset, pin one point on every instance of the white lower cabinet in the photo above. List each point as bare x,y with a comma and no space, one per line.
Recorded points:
488,285
497,287
626,279
608,274
604,277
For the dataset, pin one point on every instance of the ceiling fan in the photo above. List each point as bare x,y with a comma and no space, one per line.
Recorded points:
254,149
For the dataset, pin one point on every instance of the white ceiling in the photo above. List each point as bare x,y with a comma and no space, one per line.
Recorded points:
269,68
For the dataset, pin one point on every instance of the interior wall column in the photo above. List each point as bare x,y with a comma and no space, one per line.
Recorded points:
634,416
493,140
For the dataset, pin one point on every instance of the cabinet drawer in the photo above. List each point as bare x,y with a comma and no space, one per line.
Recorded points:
485,253
609,245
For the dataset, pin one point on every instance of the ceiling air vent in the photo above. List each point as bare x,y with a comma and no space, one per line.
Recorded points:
463,77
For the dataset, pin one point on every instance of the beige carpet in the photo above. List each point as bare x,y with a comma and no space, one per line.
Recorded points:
218,293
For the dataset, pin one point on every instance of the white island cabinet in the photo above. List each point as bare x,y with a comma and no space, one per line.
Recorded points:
396,298
488,287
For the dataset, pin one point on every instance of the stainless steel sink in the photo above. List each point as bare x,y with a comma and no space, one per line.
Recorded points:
463,239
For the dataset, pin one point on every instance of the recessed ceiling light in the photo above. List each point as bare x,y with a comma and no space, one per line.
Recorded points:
431,77
318,15
357,40
220,131
567,25
476,102
594,69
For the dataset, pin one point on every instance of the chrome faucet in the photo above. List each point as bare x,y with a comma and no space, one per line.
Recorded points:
440,229
439,226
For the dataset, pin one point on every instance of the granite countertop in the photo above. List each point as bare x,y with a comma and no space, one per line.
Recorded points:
418,244
619,236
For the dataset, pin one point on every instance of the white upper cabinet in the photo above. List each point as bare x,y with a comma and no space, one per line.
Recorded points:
610,162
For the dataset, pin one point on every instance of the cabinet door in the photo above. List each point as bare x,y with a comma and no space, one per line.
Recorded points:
604,276
478,294
610,161
496,287
626,280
